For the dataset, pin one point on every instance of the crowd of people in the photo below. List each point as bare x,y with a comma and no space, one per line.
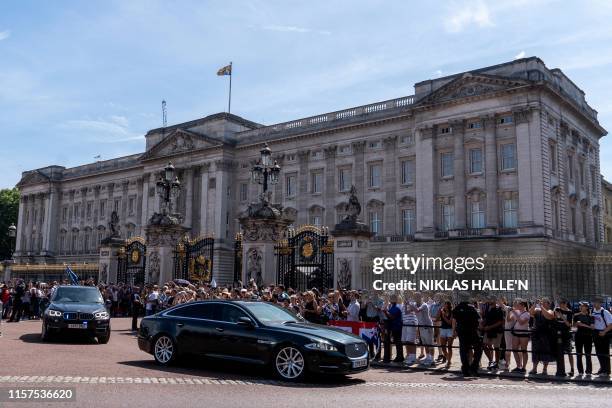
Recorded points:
412,326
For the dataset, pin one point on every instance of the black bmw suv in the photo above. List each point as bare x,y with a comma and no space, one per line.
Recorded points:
252,332
77,309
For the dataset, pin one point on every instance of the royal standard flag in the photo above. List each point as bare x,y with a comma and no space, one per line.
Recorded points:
226,70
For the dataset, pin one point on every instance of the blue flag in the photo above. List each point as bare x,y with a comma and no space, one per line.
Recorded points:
74,279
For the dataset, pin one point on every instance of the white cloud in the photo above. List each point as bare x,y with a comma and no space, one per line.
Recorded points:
293,29
113,130
520,55
468,14
5,34
438,73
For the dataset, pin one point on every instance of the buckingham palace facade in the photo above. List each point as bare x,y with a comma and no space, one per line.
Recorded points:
503,160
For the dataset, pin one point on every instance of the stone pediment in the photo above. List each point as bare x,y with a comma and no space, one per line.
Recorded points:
471,85
34,177
180,141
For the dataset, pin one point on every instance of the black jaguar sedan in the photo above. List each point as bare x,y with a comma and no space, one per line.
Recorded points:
252,332
77,309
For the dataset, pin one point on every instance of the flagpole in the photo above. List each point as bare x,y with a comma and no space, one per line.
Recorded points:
229,102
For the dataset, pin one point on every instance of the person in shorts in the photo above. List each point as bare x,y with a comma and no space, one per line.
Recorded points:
446,332
492,327
409,331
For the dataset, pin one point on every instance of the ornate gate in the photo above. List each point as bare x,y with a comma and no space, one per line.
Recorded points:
132,261
306,259
193,259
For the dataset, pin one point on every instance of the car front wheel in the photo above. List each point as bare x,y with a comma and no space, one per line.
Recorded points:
164,350
44,334
289,364
104,338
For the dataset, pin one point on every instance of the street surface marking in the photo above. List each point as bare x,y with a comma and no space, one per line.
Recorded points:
254,382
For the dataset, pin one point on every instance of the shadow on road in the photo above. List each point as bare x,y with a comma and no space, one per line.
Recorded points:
223,370
58,339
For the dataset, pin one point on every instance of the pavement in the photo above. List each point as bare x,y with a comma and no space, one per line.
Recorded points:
118,374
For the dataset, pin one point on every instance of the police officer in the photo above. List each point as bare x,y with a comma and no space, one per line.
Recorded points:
465,326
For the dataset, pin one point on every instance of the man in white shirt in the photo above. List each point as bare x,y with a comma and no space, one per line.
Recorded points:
353,308
152,301
601,336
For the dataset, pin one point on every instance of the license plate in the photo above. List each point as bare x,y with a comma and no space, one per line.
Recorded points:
360,363
77,326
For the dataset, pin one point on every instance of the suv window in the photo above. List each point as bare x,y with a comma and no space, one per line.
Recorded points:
199,311
229,313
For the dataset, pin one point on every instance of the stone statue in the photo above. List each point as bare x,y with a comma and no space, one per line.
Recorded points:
113,225
353,207
344,274
254,266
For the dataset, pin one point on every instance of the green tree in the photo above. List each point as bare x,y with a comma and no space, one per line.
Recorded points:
9,210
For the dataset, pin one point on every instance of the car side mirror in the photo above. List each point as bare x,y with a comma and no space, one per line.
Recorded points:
245,321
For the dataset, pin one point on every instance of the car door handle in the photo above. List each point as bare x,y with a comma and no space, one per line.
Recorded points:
180,324
219,329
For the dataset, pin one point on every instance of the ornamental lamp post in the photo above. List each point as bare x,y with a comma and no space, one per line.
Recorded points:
12,233
264,172
168,186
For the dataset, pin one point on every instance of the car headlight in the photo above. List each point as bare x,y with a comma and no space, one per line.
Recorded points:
322,346
101,315
54,313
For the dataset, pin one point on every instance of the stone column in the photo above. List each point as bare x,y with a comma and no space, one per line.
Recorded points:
108,263
303,183
161,241
204,199
23,200
330,184
51,217
524,171
491,168
425,183
188,197
390,186
459,174
359,177
148,182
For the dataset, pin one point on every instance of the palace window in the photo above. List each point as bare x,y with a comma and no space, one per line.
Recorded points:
376,144
504,120
510,213
475,161
555,213
407,171
316,220
375,176
584,223
64,214
570,166
77,213
446,164
582,174
244,191
573,220
448,216
131,206
408,221
477,214
102,209
316,182
88,211
407,139
445,130
553,157
508,156
290,185
86,242
375,222
475,125
344,179
345,149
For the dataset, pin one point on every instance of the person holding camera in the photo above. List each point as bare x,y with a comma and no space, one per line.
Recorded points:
542,340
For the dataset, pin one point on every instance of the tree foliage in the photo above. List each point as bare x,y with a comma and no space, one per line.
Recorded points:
9,210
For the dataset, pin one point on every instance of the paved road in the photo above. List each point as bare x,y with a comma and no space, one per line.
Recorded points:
119,374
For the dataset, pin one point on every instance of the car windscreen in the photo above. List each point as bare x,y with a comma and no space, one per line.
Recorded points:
67,294
267,313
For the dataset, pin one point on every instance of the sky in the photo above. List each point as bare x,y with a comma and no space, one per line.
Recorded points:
80,79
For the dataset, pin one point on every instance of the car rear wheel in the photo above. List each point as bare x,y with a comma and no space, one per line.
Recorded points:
164,350
289,364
